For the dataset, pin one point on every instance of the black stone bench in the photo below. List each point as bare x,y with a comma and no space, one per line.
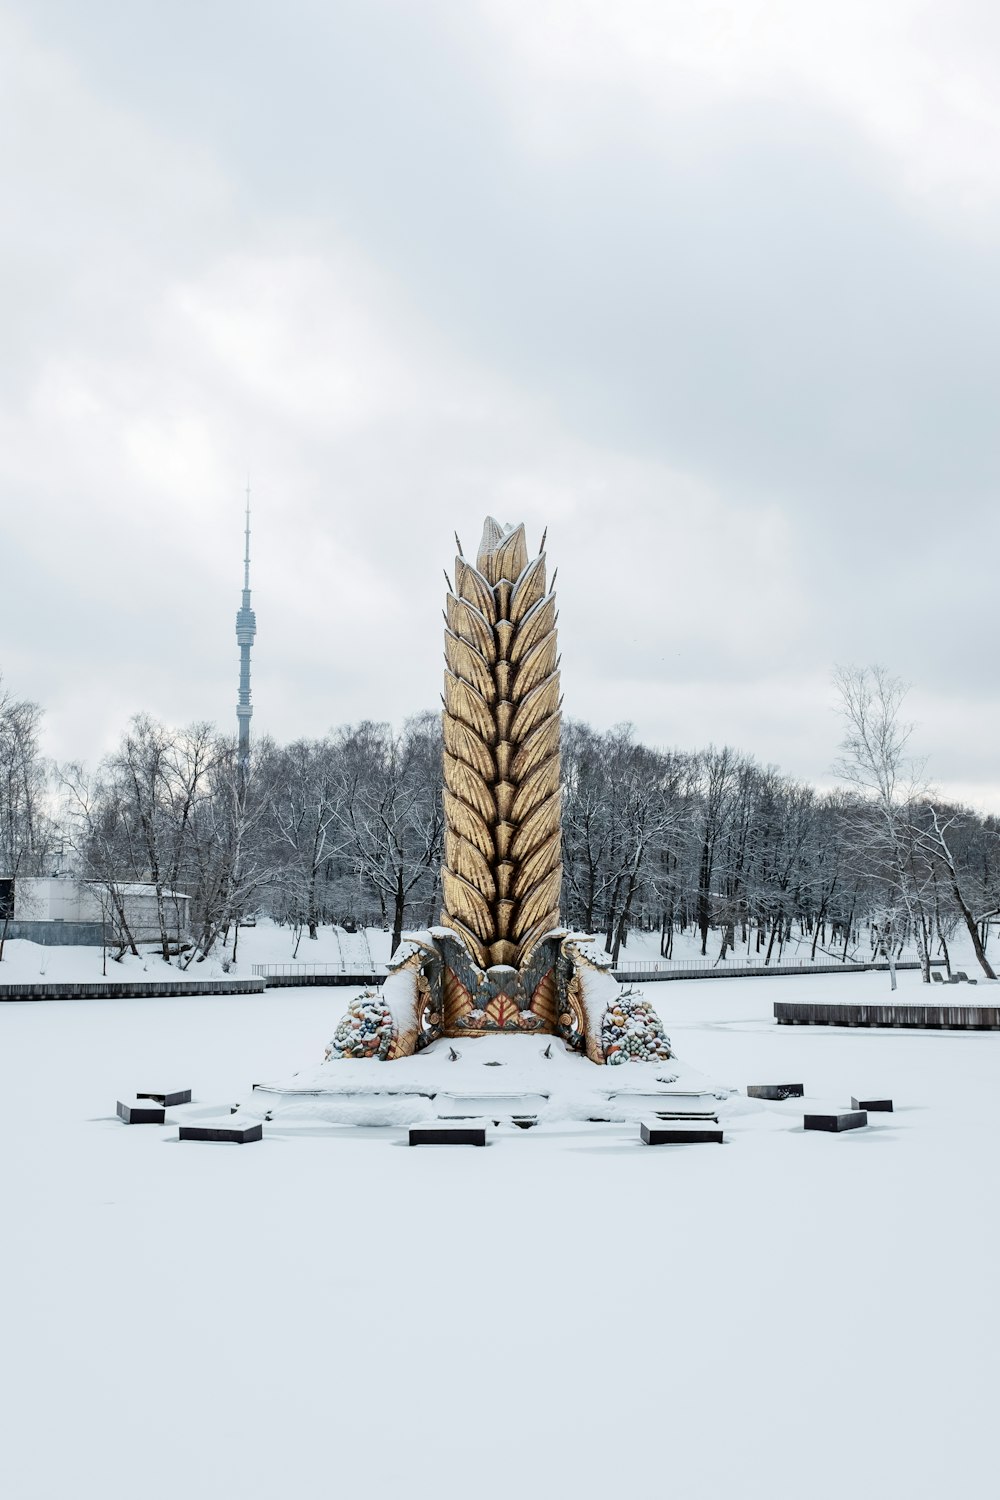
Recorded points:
852,1121
775,1090
179,1096
240,1134
675,1133
877,1105
445,1134
140,1114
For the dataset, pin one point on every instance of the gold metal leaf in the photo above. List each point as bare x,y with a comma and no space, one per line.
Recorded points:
464,820
540,903
540,826
467,904
538,705
535,626
536,788
469,862
528,589
466,662
540,744
539,663
468,622
531,870
463,702
469,787
471,585
511,557
465,744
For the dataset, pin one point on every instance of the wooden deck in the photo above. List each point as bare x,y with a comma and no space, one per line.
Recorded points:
932,1017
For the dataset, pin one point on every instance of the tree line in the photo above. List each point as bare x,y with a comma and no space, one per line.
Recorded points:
349,829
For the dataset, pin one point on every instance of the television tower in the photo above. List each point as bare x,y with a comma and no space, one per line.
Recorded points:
246,630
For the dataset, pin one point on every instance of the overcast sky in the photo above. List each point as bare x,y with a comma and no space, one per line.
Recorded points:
709,289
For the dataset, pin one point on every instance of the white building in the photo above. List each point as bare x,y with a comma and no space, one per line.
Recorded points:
63,909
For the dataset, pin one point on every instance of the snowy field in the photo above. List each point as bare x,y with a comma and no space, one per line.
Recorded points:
565,1313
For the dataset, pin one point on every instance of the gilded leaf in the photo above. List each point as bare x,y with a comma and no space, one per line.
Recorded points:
471,585
528,590
540,904
536,625
468,622
470,824
467,904
540,744
536,788
464,661
463,702
466,784
469,862
465,744
539,663
538,705
540,826
531,870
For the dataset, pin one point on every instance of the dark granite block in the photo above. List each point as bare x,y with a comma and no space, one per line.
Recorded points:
664,1133
444,1134
241,1134
179,1096
140,1114
883,1105
835,1122
775,1090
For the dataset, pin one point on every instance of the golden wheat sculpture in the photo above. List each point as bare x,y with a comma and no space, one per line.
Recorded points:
499,961
502,867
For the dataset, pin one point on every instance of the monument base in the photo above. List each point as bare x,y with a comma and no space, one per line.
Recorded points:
497,1078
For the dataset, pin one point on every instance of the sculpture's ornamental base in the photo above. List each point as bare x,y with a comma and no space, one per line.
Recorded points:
437,990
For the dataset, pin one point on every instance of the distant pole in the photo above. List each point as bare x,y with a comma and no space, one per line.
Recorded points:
246,630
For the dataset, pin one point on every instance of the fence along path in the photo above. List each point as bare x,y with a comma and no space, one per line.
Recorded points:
366,970
711,968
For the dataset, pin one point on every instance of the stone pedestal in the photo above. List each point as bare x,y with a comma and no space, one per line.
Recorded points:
140,1114
443,1133
240,1135
846,1121
678,1133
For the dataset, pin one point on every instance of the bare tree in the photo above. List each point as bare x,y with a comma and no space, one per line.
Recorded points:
888,783
936,841
27,833
390,810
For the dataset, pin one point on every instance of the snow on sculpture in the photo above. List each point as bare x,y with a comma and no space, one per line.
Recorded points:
499,961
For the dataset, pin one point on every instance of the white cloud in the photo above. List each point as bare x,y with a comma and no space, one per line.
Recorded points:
919,81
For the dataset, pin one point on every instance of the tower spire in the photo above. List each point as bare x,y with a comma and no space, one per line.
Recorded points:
246,630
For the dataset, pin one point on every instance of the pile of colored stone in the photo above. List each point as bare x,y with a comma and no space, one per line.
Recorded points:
365,1031
633,1032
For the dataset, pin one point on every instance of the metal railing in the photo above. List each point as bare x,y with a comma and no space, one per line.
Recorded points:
290,971
667,968
737,961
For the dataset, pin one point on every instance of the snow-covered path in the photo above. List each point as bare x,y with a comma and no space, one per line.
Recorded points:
565,1313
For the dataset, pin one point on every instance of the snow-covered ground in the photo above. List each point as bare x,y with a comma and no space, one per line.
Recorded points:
567,1312
350,952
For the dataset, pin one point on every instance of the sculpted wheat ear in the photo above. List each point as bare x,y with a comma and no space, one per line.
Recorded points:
503,865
